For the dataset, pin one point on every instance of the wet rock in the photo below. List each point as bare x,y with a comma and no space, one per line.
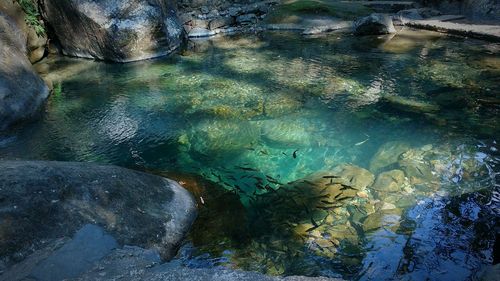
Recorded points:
387,155
283,133
22,91
411,105
384,218
200,32
47,200
246,19
65,259
417,14
223,135
391,181
35,43
221,22
113,30
416,167
374,24
134,264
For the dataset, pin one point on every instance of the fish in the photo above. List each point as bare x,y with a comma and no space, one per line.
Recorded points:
331,177
284,153
217,176
314,223
308,182
294,154
345,186
264,152
337,196
361,142
312,228
320,196
246,169
273,180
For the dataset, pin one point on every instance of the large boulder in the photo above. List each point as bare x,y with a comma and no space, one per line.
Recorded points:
374,24
22,91
43,200
35,42
119,31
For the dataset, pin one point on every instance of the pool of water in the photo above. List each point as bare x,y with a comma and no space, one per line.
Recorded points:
369,158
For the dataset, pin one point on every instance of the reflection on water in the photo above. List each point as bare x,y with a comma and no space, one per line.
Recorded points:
369,158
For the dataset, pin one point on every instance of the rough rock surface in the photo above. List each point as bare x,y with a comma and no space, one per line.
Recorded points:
374,24
94,255
42,200
35,43
22,91
133,263
119,31
473,9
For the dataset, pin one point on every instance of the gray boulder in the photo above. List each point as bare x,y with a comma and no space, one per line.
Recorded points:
374,24
119,31
43,200
22,91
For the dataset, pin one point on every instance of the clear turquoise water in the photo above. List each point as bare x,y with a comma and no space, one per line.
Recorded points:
278,107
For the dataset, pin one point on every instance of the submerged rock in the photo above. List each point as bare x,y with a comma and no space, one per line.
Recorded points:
411,105
45,200
114,30
387,155
374,24
391,181
22,91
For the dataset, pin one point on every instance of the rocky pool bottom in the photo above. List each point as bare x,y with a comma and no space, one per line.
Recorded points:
339,156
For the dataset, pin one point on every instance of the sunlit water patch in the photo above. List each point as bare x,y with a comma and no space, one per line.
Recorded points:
370,158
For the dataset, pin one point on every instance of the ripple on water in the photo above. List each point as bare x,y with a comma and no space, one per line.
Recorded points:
260,122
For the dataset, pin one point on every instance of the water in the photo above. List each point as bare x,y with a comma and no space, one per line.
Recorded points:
245,122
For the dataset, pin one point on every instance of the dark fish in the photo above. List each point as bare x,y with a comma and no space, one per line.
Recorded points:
251,148
312,228
217,176
246,168
320,196
264,152
308,182
345,186
273,180
295,153
314,223
284,153
331,177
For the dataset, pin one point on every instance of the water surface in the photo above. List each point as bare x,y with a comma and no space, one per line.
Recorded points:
248,120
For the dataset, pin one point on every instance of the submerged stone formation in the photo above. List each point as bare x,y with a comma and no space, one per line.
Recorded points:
119,31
